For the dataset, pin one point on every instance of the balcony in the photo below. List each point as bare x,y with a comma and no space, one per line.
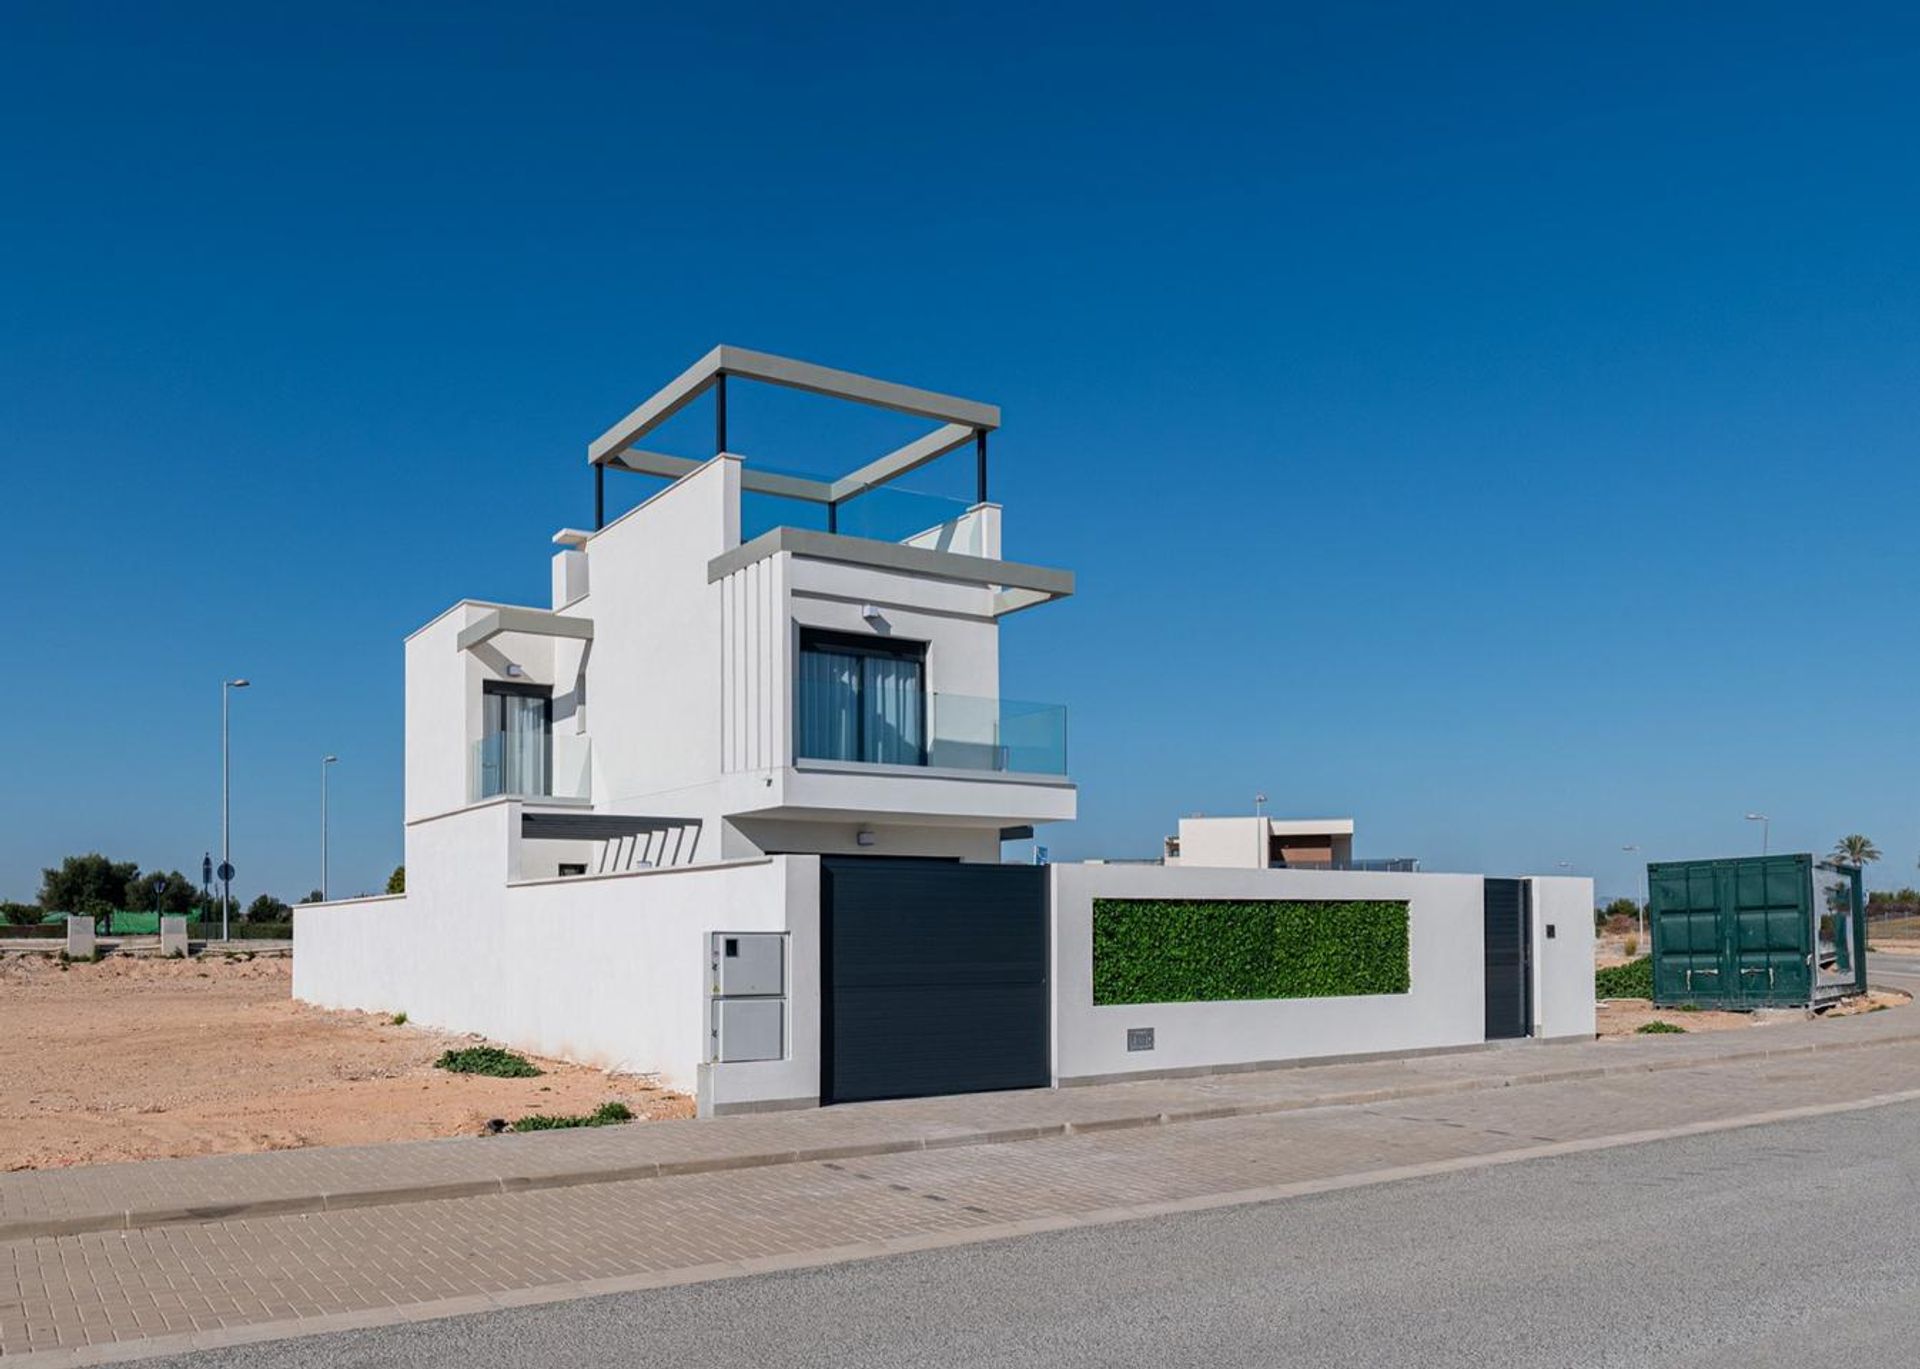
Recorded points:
530,765
892,727
1002,735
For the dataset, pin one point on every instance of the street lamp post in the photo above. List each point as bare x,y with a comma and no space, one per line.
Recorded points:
1766,830
1645,898
325,761
226,828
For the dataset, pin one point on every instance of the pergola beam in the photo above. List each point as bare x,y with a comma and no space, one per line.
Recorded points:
894,464
794,375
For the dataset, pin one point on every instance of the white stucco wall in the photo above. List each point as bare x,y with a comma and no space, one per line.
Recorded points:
654,685
1445,1007
1224,843
605,970
1563,1001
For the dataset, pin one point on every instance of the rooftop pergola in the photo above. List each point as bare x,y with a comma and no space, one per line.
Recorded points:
961,421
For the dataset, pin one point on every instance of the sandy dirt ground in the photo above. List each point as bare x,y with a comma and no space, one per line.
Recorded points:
1625,1016
132,1059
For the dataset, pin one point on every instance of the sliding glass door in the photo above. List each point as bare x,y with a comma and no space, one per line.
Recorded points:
861,699
515,727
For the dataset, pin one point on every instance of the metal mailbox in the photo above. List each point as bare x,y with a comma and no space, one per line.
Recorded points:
747,996
749,964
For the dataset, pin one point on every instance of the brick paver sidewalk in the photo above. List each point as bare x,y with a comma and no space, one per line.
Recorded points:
85,1298
176,1192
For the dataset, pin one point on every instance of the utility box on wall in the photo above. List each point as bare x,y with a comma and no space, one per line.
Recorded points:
747,996
1756,932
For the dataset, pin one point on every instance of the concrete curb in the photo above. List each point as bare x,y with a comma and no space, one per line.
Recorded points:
133,1219
473,1304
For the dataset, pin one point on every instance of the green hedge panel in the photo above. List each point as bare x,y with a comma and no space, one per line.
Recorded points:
1212,950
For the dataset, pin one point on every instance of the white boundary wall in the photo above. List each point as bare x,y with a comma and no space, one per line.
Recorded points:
1444,1008
607,970
1563,999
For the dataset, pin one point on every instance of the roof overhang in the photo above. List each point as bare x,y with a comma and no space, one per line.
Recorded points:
1015,586
533,621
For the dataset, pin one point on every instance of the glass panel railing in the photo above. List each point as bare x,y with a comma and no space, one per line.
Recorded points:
969,733
888,514
529,765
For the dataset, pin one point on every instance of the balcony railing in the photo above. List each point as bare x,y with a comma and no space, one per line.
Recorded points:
530,765
969,733
952,732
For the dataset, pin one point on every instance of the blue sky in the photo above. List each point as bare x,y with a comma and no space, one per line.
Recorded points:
1494,422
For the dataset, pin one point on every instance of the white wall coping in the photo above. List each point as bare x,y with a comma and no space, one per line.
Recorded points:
349,902
525,800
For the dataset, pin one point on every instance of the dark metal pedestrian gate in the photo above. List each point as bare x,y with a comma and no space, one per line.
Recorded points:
933,978
1509,958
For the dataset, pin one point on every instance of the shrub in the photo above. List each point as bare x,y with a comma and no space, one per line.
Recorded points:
1657,1028
490,1060
399,1019
1631,980
1210,950
1632,946
607,1114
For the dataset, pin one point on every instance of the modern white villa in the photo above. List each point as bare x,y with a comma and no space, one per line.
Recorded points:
1261,842
729,810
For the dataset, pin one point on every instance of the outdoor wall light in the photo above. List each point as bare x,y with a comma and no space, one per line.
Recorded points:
863,837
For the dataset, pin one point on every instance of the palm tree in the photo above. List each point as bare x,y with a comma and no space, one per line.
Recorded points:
1854,849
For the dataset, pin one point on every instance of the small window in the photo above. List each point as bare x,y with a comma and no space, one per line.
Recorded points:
571,868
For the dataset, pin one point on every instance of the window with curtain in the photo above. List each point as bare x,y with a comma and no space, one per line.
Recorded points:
861,699
516,728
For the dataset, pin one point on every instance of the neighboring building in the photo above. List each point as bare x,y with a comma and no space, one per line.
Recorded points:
1264,843
729,810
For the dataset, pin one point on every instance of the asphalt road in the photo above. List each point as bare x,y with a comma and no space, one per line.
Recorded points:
1894,972
1771,1245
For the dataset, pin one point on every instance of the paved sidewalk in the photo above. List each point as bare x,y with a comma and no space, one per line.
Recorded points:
216,1188
82,1300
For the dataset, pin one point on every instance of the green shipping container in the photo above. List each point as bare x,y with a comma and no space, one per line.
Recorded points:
1756,932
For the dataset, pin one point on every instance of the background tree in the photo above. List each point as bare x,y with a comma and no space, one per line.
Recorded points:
267,908
19,913
155,892
314,896
397,881
90,885
1620,907
1854,849
209,910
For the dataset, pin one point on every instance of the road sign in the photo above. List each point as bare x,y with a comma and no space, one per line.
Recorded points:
225,872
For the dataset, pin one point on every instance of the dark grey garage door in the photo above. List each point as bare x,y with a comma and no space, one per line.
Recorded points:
933,978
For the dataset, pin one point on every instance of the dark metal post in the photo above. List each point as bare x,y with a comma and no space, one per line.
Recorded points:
980,466
833,516
720,414
599,495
